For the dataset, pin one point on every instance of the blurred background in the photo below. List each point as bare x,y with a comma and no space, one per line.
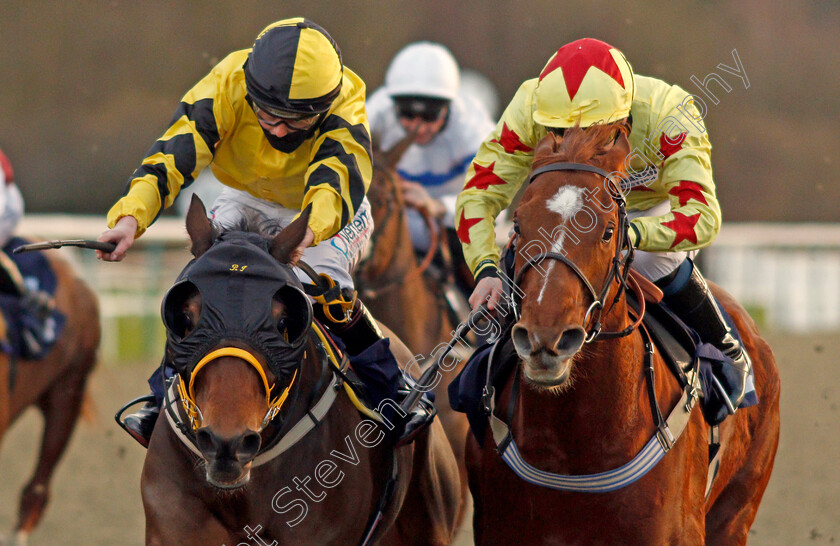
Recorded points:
87,86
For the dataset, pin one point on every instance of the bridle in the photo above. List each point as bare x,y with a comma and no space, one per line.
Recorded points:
186,390
668,430
619,269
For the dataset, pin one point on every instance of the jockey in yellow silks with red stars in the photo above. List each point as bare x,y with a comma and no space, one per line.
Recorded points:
671,200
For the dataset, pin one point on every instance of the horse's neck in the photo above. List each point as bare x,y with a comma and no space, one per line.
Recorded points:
314,380
406,303
394,254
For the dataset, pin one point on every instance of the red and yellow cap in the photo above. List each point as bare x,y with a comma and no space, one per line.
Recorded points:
585,82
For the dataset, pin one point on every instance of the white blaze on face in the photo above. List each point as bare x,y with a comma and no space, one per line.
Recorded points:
566,203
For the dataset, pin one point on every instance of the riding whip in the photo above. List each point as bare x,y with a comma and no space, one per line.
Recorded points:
425,378
81,243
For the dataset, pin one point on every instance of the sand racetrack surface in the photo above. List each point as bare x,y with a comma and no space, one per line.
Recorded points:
96,490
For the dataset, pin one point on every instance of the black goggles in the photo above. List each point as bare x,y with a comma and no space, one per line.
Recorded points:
420,107
272,117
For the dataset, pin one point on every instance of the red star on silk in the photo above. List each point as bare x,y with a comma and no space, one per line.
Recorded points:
510,141
669,146
577,58
688,190
464,225
684,227
484,177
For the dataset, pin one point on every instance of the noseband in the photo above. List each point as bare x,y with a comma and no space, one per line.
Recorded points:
619,269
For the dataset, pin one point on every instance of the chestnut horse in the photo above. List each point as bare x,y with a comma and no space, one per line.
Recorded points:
392,283
55,385
311,471
390,279
583,409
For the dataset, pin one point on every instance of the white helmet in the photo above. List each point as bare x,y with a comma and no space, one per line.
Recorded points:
423,69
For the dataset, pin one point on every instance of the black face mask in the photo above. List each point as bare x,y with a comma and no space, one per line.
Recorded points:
292,141
237,279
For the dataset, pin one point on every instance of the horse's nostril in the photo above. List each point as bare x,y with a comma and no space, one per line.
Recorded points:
570,341
248,446
521,340
205,442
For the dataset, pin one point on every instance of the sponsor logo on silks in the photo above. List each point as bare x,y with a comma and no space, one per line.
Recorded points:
350,239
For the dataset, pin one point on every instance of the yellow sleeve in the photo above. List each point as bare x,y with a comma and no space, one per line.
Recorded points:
500,167
340,170
685,177
177,157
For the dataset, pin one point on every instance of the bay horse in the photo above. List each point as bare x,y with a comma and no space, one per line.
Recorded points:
392,283
298,467
583,412
54,384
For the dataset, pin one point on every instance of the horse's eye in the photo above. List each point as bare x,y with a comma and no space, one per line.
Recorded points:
185,324
608,233
516,228
283,327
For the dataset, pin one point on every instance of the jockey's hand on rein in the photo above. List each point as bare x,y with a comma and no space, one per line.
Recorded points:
417,197
488,289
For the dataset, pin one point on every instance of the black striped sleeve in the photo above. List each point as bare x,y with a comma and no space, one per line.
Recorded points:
331,147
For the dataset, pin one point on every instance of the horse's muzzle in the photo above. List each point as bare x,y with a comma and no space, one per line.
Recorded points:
227,460
547,355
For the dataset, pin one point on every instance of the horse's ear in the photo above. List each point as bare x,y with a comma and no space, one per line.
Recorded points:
199,227
616,156
285,245
389,159
547,146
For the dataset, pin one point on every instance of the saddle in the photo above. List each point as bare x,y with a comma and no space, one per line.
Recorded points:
683,349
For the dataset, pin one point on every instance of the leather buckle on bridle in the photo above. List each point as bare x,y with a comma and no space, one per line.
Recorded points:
597,329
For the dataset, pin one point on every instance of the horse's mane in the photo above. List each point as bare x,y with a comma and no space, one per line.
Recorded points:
254,222
577,145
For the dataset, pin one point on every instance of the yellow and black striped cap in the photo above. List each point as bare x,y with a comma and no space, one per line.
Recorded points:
294,66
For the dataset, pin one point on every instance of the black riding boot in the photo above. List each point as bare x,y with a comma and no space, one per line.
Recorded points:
358,334
141,424
694,304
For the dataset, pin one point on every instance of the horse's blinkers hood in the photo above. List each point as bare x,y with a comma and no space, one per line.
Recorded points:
237,279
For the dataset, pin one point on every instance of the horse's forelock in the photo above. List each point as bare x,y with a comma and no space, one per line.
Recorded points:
577,145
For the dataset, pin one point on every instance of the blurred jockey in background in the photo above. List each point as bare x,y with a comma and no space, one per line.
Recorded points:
27,305
423,96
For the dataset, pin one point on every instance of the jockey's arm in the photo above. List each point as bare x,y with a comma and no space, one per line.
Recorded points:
495,175
340,168
176,158
683,156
